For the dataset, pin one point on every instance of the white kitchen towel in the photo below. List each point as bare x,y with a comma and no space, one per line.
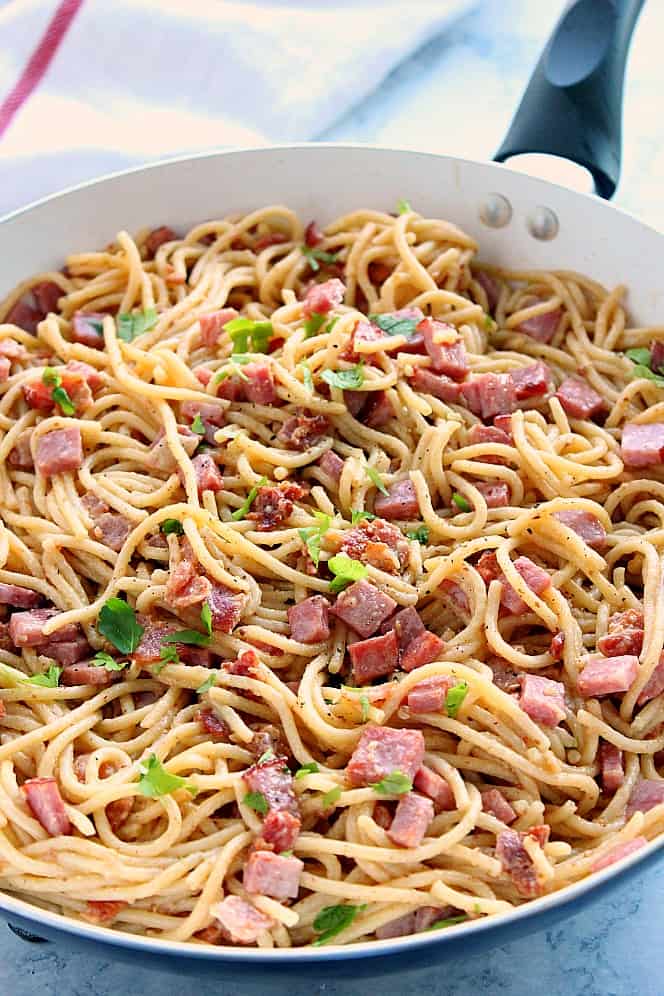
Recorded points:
90,86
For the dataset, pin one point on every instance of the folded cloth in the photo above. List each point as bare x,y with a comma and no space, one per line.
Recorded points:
90,86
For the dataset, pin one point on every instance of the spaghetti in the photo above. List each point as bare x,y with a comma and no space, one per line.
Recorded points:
331,582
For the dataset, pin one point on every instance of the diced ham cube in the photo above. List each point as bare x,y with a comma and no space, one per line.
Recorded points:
273,780
19,598
21,456
25,316
26,629
446,358
537,579
624,636
274,504
456,596
422,650
280,830
654,685
489,394
413,815
355,401
373,658
313,235
646,794
301,431
542,699
378,411
533,381
87,328
77,368
259,386
557,646
430,695
579,399
586,525
363,607
186,586
431,784
59,451
516,862
157,238
275,875
45,802
102,911
619,852
400,502
543,327
208,476
241,922
611,767
642,445
489,434
47,294
66,651
225,608
406,624
495,803
496,494
382,750
308,620
401,926
438,385
112,529
657,356
209,411
86,673
203,374
160,455
332,465
212,724
212,325
321,298
607,675
490,288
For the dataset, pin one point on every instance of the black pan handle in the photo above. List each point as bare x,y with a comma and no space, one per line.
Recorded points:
572,106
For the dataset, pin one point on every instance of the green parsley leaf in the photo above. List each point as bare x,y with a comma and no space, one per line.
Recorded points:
242,511
449,922
332,920
286,854
96,324
135,323
647,373
403,207
318,256
477,909
454,698
241,330
169,655
233,369
364,704
48,679
307,379
358,515
331,797
345,571
396,783
256,801
62,399
102,659
171,526
117,622
156,781
421,534
206,618
330,325
307,769
52,378
314,324
395,325
376,479
489,323
347,380
197,425
189,636
641,356
260,336
267,755
207,684
461,503
312,535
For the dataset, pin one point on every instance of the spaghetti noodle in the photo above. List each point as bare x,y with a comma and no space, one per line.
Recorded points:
331,582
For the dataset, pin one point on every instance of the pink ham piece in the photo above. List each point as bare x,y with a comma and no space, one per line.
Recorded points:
309,620
241,922
382,750
86,673
378,410
429,695
423,649
399,503
490,288
321,298
225,607
363,607
301,431
373,658
66,652
25,316
185,586
47,294
495,803
586,525
532,381
211,412
26,629
413,815
280,830
431,784
18,598
332,465
90,374
642,445
45,802
654,685
446,358
646,794
59,452
607,675
611,767
619,852
496,494
274,875
479,434
516,862
438,385
489,394
87,328
456,596
273,780
157,238
579,399
313,235
624,636
557,646
5,368
159,454
208,476
212,325
542,699
415,922
542,327
259,386
111,529
406,624
657,357
355,401
537,579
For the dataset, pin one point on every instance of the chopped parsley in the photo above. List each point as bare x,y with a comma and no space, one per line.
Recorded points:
244,330
489,323
640,355
395,324
347,380
331,797
171,526
234,368
169,655
206,618
461,503
156,781
59,395
48,679
207,684
421,534
396,783
454,698
311,536
403,206
189,636
448,922
243,510
307,769
307,379
332,920
345,571
318,256
117,622
313,324
642,360
197,425
376,479
358,515
256,801
364,705
135,323
102,659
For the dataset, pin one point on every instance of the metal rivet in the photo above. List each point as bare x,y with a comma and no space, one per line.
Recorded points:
543,224
496,212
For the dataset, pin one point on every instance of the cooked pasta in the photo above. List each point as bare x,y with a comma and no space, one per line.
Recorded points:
331,581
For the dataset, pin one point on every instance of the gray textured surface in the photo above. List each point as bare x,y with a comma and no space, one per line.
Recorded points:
458,98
